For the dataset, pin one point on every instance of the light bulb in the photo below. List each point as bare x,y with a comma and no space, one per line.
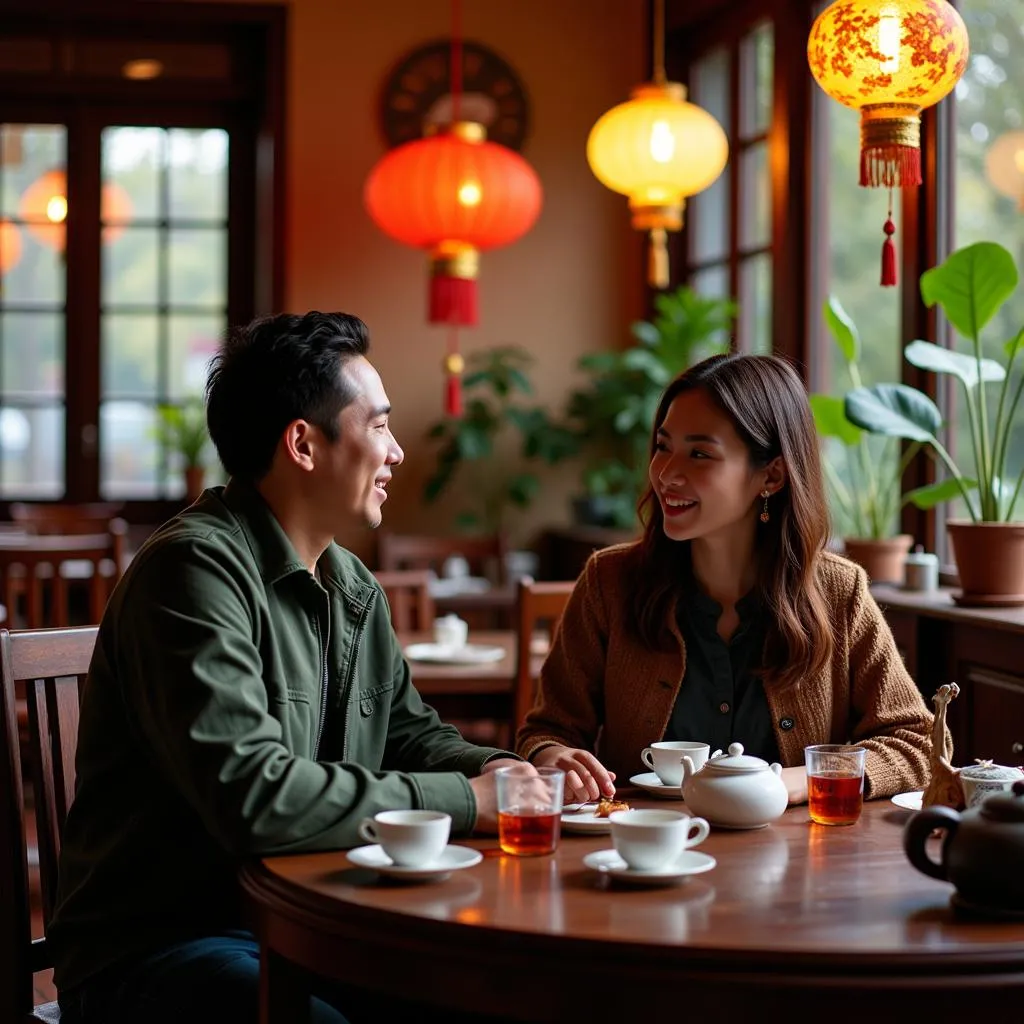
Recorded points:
663,142
1018,160
889,29
56,209
470,193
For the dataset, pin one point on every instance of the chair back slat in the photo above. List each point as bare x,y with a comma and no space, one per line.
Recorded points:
540,606
408,594
52,665
42,517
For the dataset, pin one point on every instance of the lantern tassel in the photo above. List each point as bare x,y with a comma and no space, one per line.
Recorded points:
890,166
454,364
657,259
889,250
453,300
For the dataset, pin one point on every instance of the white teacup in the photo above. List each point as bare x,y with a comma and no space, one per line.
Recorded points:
666,758
981,780
649,840
451,631
411,839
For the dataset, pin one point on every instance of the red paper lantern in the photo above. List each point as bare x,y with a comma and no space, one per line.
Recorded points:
455,195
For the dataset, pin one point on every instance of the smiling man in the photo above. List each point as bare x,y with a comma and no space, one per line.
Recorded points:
248,695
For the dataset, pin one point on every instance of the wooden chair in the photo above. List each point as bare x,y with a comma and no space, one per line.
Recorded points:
413,551
91,517
540,605
408,594
52,665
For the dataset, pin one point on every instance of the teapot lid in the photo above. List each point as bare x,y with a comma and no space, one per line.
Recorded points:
1008,807
736,762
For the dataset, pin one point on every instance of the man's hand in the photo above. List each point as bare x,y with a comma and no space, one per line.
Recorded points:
485,790
585,777
796,784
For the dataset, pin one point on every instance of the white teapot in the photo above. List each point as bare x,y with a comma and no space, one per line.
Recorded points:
735,790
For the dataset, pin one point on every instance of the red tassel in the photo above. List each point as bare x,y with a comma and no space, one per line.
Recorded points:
890,166
453,395
889,255
453,300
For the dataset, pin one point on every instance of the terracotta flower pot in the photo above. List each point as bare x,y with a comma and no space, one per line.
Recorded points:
990,562
881,559
193,482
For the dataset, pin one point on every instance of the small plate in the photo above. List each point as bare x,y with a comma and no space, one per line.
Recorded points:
689,862
584,819
453,586
909,801
453,858
650,782
468,654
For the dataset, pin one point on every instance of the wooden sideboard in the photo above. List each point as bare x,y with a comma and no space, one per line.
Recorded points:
980,649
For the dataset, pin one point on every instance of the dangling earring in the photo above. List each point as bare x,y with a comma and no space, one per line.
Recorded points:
764,512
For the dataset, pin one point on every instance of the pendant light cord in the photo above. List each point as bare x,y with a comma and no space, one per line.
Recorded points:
455,71
659,42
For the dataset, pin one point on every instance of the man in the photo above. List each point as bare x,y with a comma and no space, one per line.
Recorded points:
248,695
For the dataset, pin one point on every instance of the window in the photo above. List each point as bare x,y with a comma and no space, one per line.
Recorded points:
729,235
130,203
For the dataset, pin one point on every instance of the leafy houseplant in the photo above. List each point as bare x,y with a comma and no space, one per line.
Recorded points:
613,415
865,485
495,382
971,287
182,429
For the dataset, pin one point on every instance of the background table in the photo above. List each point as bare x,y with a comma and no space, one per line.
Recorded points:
795,919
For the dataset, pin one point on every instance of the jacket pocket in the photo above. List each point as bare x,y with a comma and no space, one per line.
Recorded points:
376,701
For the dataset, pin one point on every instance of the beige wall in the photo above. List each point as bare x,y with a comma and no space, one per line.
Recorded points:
571,285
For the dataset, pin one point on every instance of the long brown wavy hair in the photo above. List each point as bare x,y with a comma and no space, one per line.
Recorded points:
766,401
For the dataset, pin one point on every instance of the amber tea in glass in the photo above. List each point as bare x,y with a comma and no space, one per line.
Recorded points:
835,783
529,809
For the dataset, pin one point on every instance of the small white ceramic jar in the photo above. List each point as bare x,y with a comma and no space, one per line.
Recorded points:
921,571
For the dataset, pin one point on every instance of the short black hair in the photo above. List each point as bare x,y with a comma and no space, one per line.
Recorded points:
273,371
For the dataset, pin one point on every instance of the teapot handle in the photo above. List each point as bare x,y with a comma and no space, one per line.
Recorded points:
919,828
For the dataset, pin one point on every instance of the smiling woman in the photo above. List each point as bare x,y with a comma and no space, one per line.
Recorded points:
727,621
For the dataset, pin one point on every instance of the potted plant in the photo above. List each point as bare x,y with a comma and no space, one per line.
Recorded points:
495,383
613,414
865,483
181,429
971,287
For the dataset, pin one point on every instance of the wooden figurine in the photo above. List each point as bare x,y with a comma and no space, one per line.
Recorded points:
944,786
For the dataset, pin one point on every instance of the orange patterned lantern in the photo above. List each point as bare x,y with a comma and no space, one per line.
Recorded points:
889,59
44,208
10,246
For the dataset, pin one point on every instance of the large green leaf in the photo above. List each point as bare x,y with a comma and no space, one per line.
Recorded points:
843,329
927,356
830,420
935,494
971,285
895,410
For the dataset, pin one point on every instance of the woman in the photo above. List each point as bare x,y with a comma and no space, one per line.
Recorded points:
728,620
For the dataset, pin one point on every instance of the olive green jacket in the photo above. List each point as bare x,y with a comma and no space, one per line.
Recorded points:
236,706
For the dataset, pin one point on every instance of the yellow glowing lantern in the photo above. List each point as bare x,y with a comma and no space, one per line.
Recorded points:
657,149
1004,166
888,59
44,209
10,246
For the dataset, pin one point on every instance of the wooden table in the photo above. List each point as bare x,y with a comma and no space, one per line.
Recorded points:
796,918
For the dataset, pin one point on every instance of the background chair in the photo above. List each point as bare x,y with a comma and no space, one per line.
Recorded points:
485,555
539,607
91,517
51,664
408,594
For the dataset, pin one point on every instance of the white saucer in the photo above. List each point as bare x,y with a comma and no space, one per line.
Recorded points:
911,801
468,654
453,858
650,782
689,862
585,820
453,586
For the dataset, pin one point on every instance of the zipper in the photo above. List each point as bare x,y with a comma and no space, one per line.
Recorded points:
323,688
360,629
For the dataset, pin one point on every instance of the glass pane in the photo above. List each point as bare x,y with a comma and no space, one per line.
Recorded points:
757,63
194,341
989,189
32,354
132,161
27,153
129,456
199,174
708,212
36,273
755,197
131,266
712,282
32,452
755,331
130,354
197,259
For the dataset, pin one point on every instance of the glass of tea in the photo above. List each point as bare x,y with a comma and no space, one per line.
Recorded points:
835,782
529,809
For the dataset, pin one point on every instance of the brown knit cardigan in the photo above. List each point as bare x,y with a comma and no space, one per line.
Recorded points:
602,690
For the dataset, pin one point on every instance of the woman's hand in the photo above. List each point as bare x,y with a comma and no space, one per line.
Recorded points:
796,784
585,777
